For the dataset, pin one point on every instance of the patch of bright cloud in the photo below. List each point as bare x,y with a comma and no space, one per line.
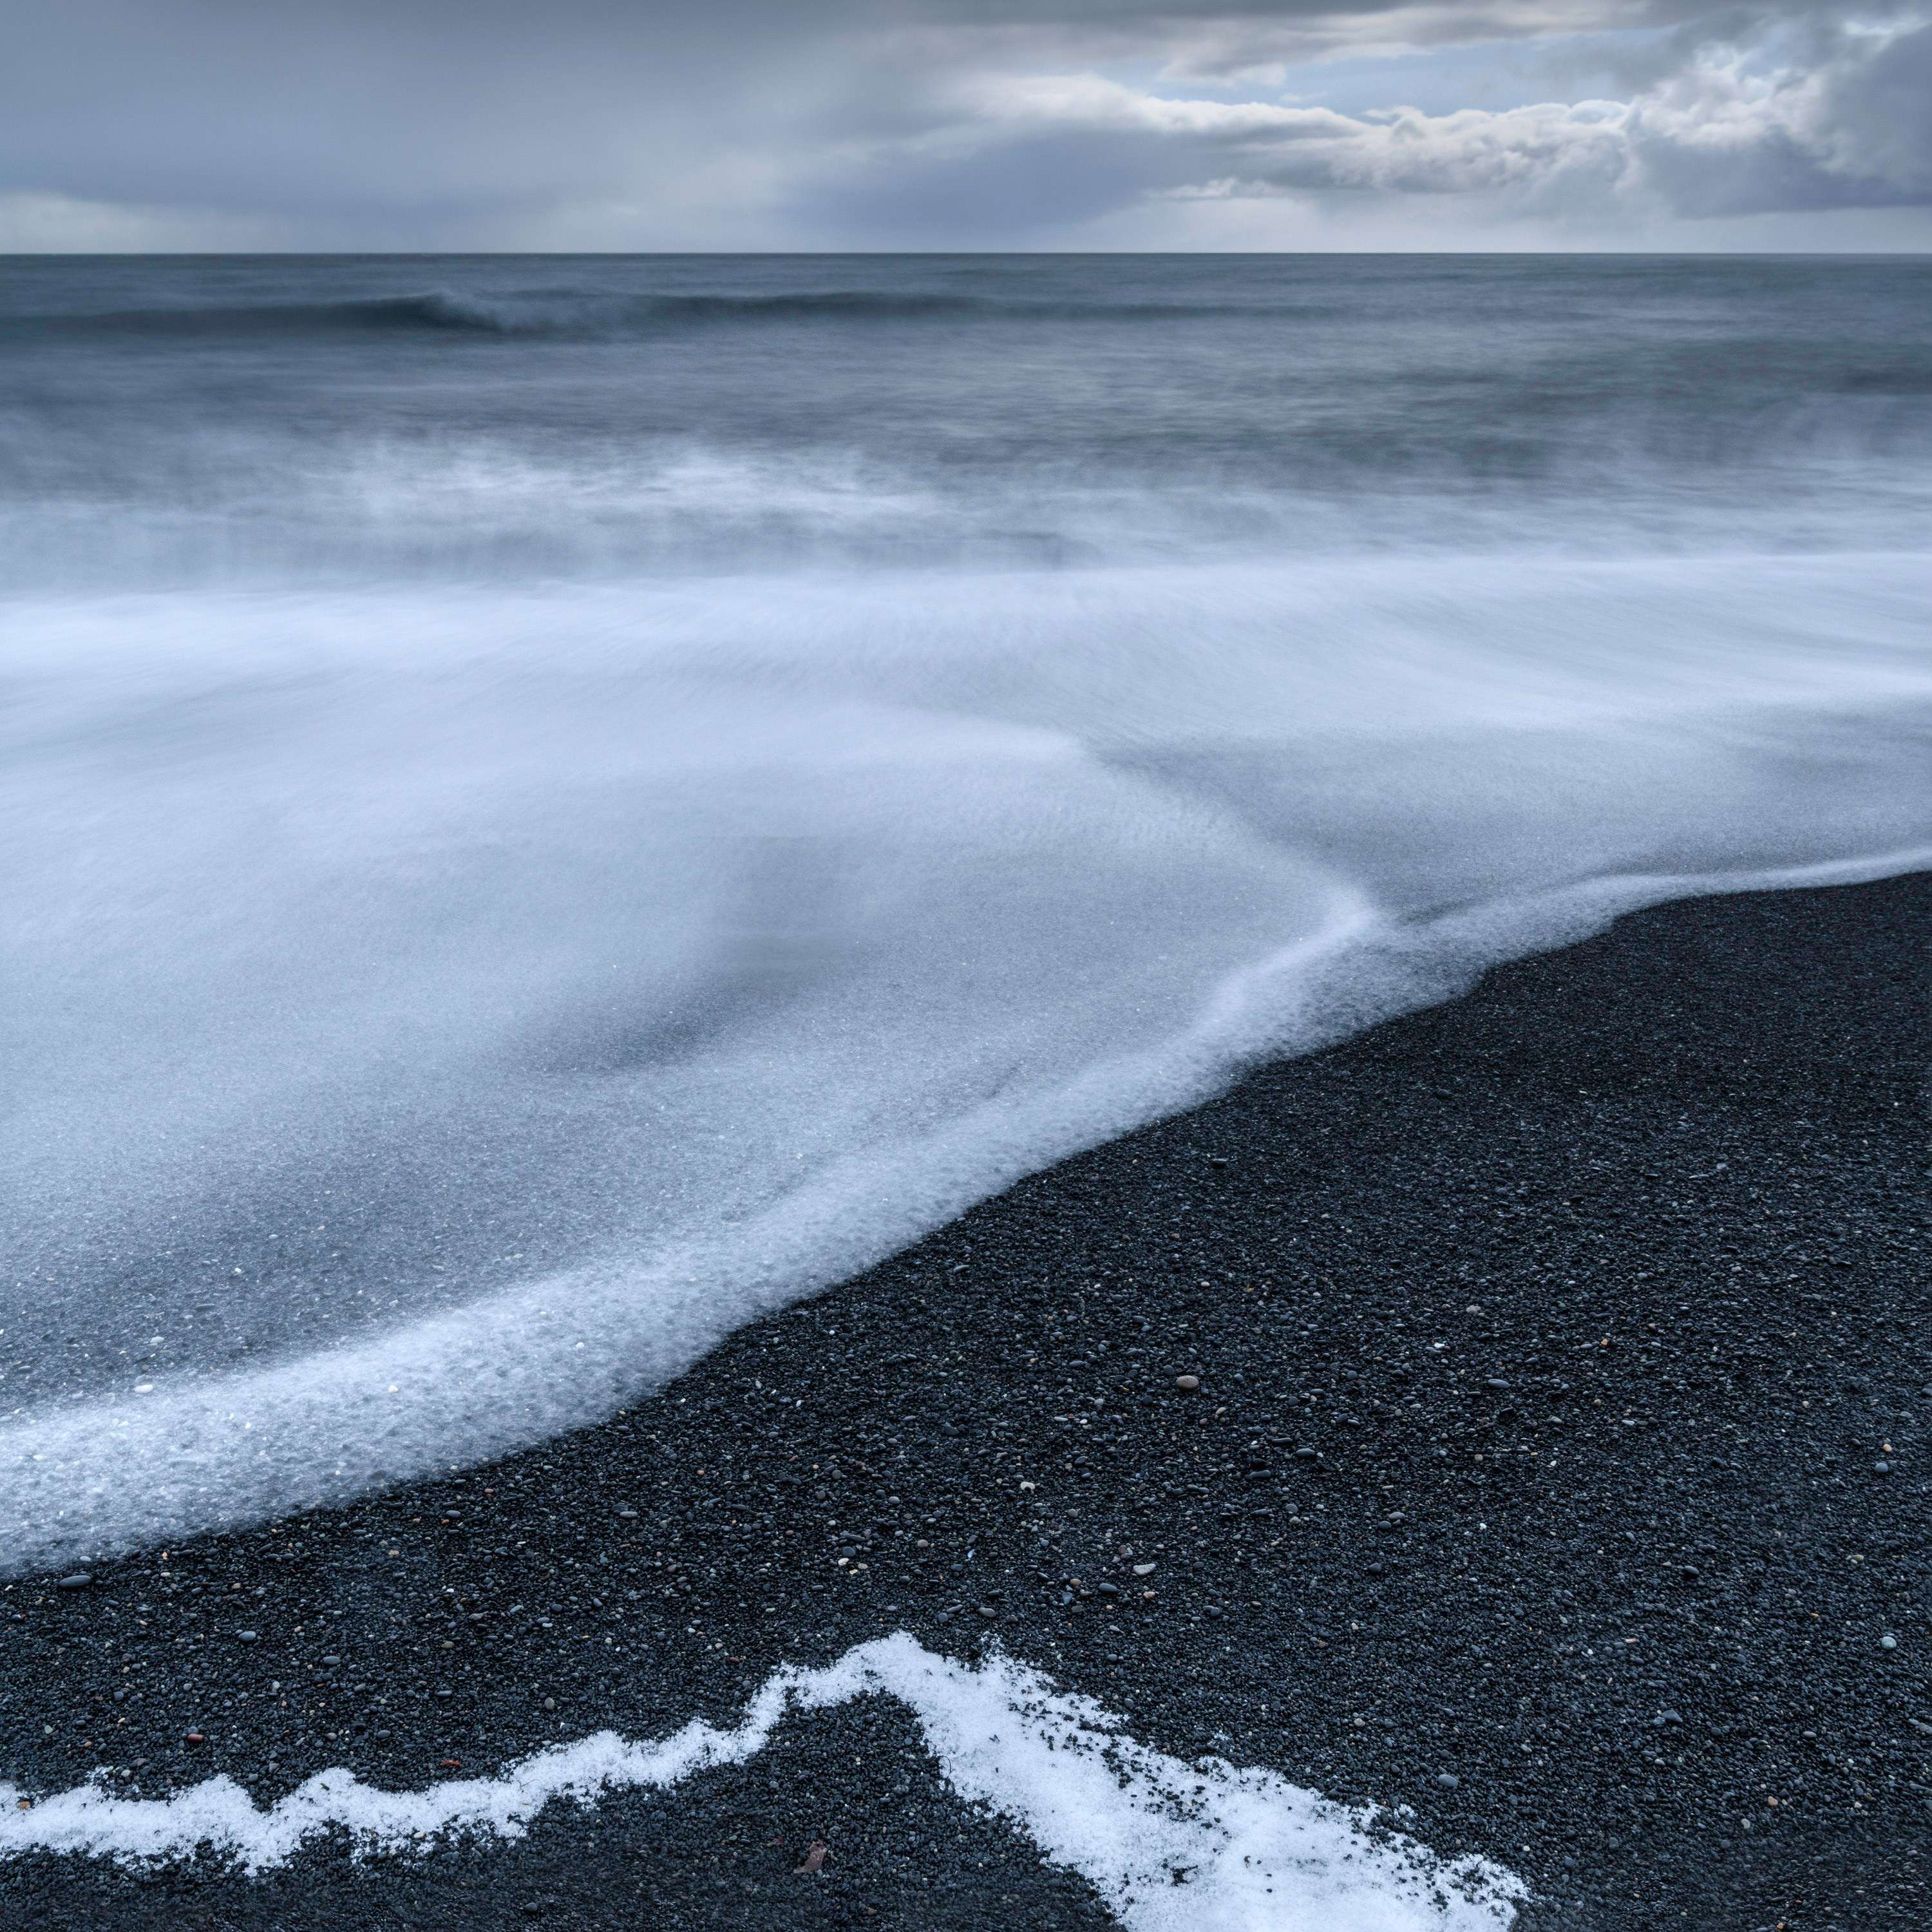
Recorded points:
1732,132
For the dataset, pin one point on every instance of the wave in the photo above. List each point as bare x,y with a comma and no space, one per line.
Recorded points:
1892,373
82,1483
589,313
136,504
438,1019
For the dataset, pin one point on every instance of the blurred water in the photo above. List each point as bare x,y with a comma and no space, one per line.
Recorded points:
554,804
170,419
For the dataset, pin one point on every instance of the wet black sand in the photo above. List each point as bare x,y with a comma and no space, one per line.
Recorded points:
1549,1344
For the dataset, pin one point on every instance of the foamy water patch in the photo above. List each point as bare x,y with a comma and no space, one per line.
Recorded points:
437,1021
1169,1845
515,1369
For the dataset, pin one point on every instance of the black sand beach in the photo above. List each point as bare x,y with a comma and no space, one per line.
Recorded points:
1558,1469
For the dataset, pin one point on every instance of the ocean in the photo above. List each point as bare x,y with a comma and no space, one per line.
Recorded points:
556,805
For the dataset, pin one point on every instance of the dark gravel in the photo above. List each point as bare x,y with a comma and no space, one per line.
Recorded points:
1549,1344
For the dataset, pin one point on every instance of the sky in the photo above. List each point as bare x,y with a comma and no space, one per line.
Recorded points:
968,124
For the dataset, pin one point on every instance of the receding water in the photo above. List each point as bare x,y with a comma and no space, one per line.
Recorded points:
555,804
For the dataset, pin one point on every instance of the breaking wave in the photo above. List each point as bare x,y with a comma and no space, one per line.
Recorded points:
522,863
416,1053
589,313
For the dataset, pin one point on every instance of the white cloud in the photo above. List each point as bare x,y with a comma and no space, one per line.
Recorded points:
1262,42
1399,149
1734,130
1729,134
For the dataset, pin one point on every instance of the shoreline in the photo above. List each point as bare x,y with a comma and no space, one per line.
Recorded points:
1548,1340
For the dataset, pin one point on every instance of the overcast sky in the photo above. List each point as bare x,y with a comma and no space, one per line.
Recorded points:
965,123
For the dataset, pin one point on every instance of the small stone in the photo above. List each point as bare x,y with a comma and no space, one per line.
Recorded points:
247,1637
1143,1569
1888,1642
79,1580
550,1703
1217,1160
1187,1384
331,1660
1881,1468
196,1738
627,1515
1495,1382
1667,1718
1108,1589
1448,1780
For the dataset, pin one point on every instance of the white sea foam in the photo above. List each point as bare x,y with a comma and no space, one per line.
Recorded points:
1169,1845
436,1018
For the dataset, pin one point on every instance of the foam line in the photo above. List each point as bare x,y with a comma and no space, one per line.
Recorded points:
1169,1845
435,1021
102,1477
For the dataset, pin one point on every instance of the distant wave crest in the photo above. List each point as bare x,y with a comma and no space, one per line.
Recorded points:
581,313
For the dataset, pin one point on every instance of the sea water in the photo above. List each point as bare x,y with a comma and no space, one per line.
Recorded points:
553,804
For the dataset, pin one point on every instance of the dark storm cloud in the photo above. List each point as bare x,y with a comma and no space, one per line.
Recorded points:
932,122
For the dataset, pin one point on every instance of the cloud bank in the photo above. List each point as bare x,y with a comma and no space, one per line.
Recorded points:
965,124
1728,133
